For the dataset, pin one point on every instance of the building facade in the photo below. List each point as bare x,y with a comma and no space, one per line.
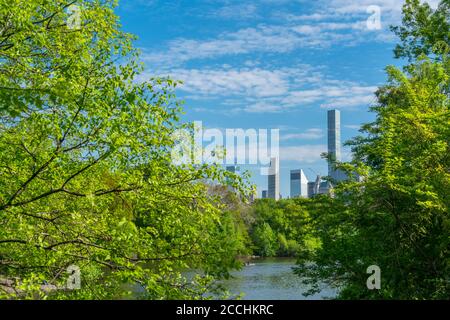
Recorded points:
299,184
273,179
232,169
334,145
311,185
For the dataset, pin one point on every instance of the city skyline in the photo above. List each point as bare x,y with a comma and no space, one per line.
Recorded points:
281,65
300,186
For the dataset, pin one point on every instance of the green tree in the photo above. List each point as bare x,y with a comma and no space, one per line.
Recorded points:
86,172
265,240
424,31
289,220
398,217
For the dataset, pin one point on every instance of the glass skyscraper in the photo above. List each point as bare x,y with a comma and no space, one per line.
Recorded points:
334,144
299,184
274,179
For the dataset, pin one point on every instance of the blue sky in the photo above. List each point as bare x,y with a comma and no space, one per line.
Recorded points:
269,64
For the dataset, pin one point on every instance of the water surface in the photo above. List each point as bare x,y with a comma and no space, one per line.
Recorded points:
271,279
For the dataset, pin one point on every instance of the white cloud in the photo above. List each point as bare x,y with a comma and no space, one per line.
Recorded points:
348,101
310,134
249,82
391,8
352,126
329,95
303,154
237,11
307,17
258,107
343,97
258,90
335,22
263,38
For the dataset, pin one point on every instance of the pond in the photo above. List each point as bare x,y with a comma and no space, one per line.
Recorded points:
264,279
272,279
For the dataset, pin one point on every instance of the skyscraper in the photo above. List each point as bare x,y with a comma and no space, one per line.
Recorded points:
311,185
299,184
334,138
334,144
232,169
264,194
273,179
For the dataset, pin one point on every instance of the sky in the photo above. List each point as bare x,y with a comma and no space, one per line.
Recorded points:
270,64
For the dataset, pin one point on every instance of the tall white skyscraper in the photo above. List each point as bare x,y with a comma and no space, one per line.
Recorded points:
273,179
334,137
334,144
299,184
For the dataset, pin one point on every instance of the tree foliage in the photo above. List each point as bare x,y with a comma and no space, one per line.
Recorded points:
424,31
280,228
398,217
86,176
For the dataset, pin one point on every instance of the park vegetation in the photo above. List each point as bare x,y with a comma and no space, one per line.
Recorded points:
87,177
86,174
398,217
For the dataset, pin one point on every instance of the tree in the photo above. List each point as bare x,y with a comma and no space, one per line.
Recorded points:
48,49
424,31
398,218
265,240
86,174
281,228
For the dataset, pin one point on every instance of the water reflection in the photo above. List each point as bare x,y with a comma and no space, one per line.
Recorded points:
264,279
271,279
